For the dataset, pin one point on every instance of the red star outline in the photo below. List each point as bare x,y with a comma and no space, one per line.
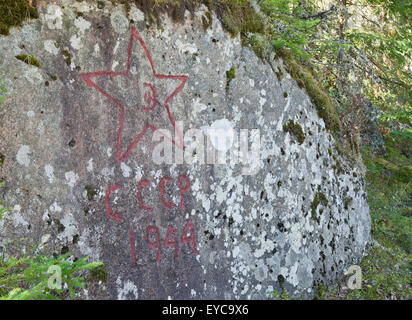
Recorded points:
88,76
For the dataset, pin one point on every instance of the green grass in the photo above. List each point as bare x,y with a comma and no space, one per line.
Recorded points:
13,13
31,60
387,267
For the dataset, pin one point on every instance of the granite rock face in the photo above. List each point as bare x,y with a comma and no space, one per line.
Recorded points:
141,147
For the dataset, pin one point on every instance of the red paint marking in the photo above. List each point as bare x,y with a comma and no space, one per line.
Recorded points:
111,215
88,78
150,98
183,189
131,236
172,244
191,237
162,192
156,244
143,183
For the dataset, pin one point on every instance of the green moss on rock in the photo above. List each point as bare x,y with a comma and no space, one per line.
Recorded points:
28,59
126,5
295,129
230,75
279,74
2,158
347,202
238,16
338,167
67,57
319,198
207,20
91,192
153,9
321,100
258,43
99,274
100,4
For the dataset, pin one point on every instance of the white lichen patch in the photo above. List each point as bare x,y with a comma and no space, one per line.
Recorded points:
126,290
82,24
90,165
87,242
71,178
119,22
107,173
33,74
83,6
96,50
17,218
49,172
126,170
54,17
135,14
185,47
23,156
50,47
75,42
70,227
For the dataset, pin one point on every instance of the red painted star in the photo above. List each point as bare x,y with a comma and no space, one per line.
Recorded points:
150,98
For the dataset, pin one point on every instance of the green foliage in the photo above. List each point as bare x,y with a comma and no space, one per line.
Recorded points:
27,278
290,30
284,295
391,182
388,45
376,49
13,13
380,46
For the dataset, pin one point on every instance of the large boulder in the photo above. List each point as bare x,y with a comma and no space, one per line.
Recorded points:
172,154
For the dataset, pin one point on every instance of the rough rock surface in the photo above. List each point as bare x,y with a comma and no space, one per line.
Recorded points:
82,173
